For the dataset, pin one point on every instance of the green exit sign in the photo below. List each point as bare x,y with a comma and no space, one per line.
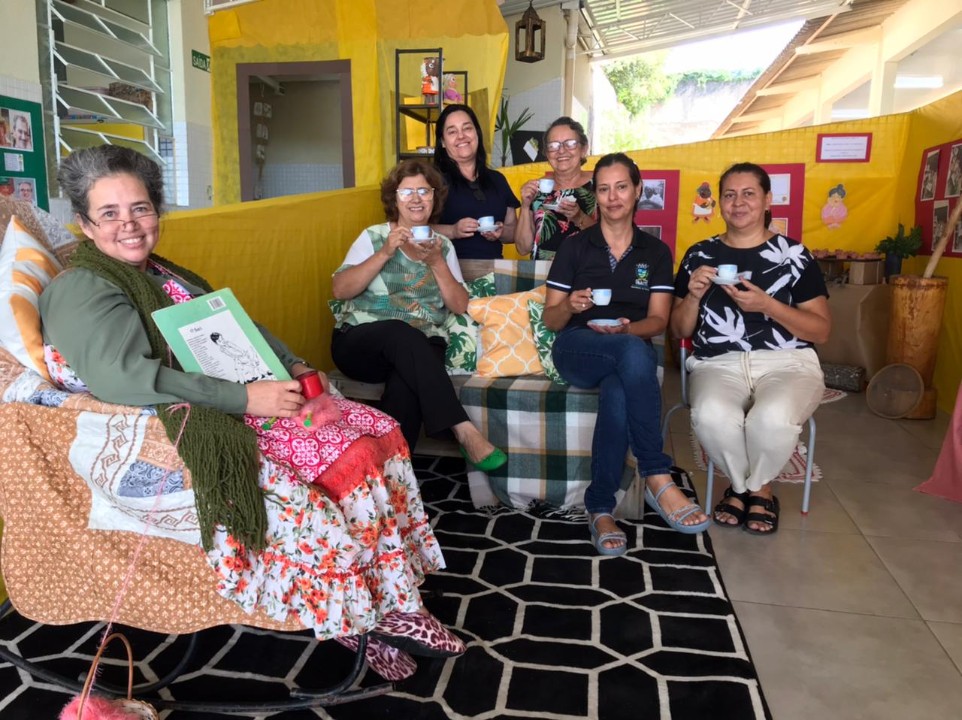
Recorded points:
200,61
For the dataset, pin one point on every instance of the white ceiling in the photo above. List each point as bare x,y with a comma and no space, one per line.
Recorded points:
618,27
937,58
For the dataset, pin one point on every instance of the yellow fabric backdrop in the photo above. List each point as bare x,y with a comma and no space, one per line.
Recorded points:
471,33
278,257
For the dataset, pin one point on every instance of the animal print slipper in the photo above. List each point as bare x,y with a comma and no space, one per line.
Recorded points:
418,634
389,662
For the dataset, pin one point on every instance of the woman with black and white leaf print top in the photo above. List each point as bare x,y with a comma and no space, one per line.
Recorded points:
755,377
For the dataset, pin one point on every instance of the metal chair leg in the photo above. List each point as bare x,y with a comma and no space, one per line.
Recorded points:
809,464
709,488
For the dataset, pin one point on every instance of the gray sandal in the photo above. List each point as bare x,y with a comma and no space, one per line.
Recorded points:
599,539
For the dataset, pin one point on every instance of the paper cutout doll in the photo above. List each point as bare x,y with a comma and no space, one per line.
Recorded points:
834,212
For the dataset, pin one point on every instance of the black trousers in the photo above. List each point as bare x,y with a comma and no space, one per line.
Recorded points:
417,388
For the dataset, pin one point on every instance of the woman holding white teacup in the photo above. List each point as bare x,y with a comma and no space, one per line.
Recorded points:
479,214
754,303
562,205
608,293
398,283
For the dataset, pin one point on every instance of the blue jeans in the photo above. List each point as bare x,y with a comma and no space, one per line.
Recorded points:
624,368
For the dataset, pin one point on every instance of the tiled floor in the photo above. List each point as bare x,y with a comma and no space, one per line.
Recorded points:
856,610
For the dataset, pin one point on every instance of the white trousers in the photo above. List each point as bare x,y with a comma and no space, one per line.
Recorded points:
747,409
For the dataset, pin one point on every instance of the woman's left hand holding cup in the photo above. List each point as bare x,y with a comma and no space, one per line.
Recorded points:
748,297
430,252
619,329
494,235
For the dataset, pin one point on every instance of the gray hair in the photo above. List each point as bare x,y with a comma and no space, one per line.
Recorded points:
82,168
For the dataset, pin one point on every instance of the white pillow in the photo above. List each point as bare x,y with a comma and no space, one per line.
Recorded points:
26,268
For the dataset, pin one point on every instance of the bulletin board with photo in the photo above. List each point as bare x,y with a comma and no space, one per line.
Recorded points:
23,172
939,188
657,210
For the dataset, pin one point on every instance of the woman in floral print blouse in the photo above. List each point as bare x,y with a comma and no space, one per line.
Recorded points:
755,377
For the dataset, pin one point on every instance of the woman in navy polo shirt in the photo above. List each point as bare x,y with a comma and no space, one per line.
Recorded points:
474,190
608,346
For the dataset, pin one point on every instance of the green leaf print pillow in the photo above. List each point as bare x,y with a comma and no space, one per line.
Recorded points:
461,356
543,340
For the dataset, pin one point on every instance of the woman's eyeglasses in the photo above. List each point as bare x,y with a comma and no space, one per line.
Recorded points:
406,194
144,217
555,145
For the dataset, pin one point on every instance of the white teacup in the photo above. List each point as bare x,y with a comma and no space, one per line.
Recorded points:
601,296
487,221
727,272
422,233
546,185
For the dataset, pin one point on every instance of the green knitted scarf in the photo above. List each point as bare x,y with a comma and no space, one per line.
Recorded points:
219,450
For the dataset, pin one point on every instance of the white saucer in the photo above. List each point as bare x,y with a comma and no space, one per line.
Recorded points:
746,275
604,322
548,206
487,228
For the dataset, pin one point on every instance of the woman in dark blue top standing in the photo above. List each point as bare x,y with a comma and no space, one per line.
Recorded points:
474,190
604,342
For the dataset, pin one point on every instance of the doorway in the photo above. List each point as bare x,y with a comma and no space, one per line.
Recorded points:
295,128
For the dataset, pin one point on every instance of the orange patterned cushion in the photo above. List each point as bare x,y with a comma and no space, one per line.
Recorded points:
26,267
507,343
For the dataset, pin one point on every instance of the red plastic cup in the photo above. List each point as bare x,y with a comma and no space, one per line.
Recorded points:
311,386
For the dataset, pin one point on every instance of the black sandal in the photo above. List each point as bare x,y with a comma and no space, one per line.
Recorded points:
735,512
770,520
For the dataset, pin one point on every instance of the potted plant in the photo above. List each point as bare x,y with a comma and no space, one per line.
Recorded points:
507,128
898,247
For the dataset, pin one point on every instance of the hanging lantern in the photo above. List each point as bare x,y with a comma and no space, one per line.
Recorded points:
529,36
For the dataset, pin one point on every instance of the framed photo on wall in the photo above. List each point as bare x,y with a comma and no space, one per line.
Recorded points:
656,211
939,190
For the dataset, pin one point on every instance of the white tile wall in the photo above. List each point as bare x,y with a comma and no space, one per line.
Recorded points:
20,89
193,166
292,179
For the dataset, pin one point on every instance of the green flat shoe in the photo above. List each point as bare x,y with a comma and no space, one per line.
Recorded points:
495,459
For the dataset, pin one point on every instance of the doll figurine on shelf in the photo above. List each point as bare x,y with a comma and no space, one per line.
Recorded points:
430,82
451,93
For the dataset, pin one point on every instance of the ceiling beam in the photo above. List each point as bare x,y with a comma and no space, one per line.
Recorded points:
842,41
759,115
668,39
786,88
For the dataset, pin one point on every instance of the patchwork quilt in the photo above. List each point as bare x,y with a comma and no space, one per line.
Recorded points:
76,477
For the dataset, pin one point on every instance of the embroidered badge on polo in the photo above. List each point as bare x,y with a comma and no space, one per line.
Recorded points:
641,277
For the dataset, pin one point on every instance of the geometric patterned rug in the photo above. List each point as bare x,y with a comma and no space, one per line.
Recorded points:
553,631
